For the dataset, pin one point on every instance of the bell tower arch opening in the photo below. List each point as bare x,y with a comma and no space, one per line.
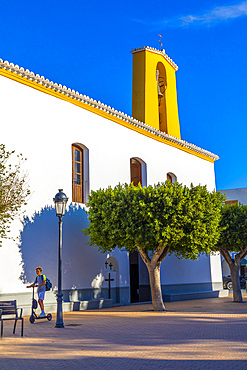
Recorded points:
161,90
154,93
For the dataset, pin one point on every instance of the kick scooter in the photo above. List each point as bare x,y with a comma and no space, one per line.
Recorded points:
33,316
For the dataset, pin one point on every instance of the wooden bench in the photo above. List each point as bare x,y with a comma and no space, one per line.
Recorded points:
8,308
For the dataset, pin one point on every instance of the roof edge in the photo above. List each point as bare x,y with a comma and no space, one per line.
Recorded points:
50,85
157,51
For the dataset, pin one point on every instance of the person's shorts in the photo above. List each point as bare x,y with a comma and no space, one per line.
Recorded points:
41,295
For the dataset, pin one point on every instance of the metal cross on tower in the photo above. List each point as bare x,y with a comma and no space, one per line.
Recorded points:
161,37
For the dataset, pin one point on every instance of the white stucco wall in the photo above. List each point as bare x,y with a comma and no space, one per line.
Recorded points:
215,267
236,194
42,128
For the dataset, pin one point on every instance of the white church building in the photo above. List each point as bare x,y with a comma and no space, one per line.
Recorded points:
77,144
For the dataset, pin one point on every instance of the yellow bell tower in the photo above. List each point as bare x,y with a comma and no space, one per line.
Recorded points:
154,95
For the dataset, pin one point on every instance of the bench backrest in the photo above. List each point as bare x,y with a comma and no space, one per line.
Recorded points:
8,307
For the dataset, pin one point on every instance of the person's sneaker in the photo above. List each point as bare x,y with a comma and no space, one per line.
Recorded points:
42,314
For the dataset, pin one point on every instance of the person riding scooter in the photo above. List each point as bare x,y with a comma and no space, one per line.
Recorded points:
40,283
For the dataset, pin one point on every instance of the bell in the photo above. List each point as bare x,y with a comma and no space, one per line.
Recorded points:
160,95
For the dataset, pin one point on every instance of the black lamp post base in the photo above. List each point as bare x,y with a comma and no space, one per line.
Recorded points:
59,320
59,325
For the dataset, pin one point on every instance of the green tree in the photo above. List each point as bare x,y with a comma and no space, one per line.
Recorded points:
233,238
13,190
156,221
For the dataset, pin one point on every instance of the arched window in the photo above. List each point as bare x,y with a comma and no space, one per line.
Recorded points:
135,171
80,173
138,171
171,177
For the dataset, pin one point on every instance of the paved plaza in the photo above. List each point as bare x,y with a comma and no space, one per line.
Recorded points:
198,334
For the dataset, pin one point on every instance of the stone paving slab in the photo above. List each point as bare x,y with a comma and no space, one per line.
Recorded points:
198,334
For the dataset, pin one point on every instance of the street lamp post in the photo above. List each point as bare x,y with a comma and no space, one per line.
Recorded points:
60,201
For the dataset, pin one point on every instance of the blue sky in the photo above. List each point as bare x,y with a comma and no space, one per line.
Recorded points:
86,46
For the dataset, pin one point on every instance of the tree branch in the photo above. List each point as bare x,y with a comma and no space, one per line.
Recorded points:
243,253
164,253
226,255
157,254
144,255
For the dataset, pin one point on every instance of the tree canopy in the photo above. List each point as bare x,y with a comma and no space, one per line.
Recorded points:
13,190
233,238
155,220
128,216
233,224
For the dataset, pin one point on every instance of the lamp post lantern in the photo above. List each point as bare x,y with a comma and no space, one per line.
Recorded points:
60,201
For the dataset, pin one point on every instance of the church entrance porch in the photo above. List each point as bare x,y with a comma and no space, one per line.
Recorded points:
134,277
139,279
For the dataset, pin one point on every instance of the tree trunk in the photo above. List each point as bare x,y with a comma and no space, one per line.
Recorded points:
237,295
153,266
154,277
234,265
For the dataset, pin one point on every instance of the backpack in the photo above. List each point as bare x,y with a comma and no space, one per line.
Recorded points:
48,284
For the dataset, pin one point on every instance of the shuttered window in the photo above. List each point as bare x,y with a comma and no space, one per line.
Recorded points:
231,202
77,174
135,171
169,177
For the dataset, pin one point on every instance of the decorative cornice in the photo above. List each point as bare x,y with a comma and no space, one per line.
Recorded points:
41,83
157,51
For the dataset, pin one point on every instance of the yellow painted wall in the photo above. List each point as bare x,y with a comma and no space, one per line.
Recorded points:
138,88
145,98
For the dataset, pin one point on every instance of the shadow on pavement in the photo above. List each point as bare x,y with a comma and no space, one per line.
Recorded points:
108,363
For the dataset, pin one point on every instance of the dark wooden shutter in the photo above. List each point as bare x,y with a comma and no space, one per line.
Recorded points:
77,174
169,177
135,171
231,202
